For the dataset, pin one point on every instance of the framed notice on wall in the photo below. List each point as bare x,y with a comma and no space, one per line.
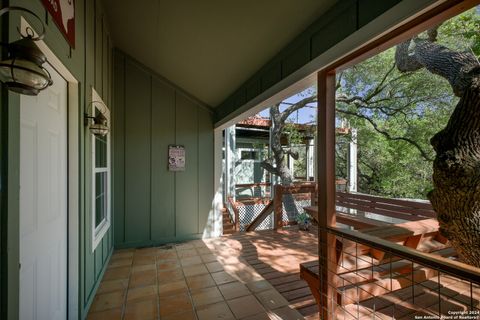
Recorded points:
63,13
176,158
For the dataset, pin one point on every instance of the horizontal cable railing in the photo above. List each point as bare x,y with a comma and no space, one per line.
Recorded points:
373,278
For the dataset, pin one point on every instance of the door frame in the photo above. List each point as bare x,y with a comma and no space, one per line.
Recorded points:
73,175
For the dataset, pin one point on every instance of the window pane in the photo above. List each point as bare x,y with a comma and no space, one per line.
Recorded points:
100,151
100,197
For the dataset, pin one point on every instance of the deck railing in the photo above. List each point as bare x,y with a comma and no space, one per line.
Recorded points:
402,284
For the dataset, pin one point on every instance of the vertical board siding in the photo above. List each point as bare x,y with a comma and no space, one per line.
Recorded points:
98,76
186,184
88,267
118,134
156,115
163,134
90,65
205,169
137,154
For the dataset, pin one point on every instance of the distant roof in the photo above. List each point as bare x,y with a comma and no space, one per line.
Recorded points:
257,121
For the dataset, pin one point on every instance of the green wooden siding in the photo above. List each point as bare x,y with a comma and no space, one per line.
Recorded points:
160,206
91,64
163,133
137,154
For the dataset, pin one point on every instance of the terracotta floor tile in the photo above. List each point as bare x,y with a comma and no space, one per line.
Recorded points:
117,273
172,288
217,311
195,270
143,267
233,290
184,315
166,254
187,253
141,293
261,316
114,263
144,278
245,306
201,281
144,310
271,299
208,257
170,275
204,250
112,285
198,243
184,246
168,265
222,277
107,301
175,304
112,314
145,252
121,254
190,261
214,266
206,296
259,286
142,259
286,313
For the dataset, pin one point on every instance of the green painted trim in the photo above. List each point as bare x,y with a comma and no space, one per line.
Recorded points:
159,242
91,296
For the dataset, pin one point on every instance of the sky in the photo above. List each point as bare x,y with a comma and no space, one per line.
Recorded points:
302,116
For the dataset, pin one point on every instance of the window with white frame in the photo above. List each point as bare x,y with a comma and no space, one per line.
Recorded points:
100,176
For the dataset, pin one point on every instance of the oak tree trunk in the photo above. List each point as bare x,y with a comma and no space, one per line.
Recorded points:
456,176
456,168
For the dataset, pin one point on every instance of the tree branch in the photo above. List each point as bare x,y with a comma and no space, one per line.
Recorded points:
388,135
298,105
269,167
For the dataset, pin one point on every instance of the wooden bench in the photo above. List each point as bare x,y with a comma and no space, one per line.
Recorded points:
354,259
396,208
364,205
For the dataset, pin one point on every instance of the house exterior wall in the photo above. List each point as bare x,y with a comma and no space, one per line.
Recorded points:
91,64
151,204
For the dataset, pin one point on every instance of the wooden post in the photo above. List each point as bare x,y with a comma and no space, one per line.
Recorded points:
326,189
278,207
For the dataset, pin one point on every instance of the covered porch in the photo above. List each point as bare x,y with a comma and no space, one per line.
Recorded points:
266,275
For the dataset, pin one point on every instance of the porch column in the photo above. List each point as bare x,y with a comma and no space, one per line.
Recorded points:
230,156
326,189
310,159
215,218
352,161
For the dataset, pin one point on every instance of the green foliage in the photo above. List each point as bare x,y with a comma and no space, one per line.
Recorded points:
397,114
462,32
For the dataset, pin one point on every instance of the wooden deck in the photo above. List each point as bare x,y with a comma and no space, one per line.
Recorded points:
277,255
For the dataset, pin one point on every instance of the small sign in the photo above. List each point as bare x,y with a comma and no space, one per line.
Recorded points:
63,13
176,158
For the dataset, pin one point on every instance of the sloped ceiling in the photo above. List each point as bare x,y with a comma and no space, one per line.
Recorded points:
208,47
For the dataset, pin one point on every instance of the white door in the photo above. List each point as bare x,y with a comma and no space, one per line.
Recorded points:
43,203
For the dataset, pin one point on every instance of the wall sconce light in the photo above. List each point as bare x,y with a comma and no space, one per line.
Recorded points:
99,127
23,70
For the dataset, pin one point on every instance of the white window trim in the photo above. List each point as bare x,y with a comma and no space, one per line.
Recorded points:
99,232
